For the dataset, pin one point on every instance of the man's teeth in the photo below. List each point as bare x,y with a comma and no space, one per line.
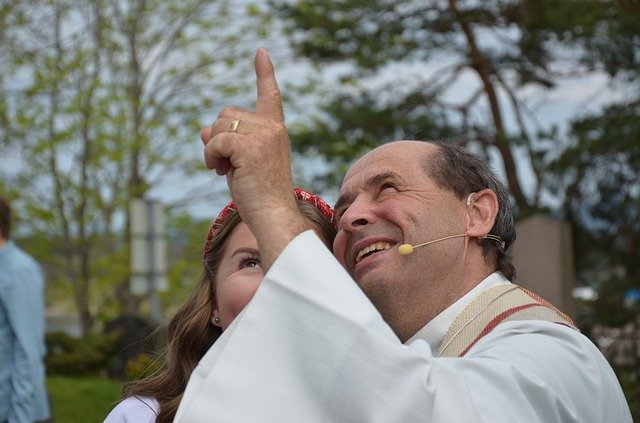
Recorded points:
379,246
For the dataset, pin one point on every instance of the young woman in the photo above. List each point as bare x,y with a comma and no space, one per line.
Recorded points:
231,276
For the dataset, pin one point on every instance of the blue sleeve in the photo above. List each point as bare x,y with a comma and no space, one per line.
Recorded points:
23,301
22,387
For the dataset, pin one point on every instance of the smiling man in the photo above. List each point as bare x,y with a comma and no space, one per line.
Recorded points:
412,192
416,320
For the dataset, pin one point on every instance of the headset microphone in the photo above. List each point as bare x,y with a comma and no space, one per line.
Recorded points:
406,249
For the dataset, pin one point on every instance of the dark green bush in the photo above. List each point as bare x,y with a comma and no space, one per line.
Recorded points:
89,355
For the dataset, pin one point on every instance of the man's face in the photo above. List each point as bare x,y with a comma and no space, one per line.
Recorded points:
386,200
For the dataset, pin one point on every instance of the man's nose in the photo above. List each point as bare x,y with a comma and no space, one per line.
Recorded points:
358,214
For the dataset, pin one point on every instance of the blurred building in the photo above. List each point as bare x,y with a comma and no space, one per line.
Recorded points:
543,257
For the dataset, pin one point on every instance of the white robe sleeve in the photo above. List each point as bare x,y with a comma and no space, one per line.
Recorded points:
134,410
311,347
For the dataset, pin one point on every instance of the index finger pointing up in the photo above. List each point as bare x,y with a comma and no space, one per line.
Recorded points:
269,103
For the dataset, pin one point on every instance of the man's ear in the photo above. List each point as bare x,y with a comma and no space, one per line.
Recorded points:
482,207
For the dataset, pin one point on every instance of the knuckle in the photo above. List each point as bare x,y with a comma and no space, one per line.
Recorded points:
281,130
228,112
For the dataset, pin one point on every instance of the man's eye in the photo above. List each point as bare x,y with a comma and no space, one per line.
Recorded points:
387,186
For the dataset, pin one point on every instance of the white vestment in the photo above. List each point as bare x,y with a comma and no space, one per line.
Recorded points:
310,347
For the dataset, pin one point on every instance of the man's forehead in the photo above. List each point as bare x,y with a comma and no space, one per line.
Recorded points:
360,175
367,180
399,157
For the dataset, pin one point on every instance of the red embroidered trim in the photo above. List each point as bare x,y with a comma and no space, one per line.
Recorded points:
496,320
547,304
300,194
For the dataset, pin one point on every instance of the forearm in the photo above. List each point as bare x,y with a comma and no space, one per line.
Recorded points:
275,231
252,149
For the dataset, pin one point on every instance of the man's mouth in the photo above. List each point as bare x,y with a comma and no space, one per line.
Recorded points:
371,249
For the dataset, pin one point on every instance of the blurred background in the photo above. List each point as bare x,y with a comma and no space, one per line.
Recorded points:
102,102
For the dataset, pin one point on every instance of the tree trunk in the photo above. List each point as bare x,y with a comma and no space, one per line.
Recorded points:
486,71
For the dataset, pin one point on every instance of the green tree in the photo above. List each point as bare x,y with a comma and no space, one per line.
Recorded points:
596,171
506,47
388,91
186,236
107,91
599,175
13,14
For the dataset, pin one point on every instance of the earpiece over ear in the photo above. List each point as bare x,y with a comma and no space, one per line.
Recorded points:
482,208
494,238
469,198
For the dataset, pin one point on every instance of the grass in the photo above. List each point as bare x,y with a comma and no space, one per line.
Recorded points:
89,399
82,399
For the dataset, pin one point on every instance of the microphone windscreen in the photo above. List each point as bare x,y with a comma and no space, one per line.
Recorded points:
405,249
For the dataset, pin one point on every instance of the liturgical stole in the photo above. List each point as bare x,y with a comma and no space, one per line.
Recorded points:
502,303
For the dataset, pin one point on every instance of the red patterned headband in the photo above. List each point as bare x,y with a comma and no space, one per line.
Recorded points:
300,194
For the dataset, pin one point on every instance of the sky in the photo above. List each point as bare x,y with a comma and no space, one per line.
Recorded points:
204,194
573,97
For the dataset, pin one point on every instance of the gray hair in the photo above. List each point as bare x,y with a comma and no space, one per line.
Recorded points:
461,172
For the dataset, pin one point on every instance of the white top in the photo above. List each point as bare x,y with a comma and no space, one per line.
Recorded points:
311,347
137,409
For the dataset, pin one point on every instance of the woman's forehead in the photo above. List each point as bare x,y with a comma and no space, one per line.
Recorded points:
241,235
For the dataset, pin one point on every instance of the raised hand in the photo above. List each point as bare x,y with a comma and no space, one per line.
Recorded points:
252,150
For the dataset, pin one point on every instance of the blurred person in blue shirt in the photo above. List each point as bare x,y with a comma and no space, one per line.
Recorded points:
23,395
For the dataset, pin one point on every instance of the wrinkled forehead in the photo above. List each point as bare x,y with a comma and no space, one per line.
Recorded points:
366,166
405,158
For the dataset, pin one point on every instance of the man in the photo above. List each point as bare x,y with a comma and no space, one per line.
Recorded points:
431,333
23,395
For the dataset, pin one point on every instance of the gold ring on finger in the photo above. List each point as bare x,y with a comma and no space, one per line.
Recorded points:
233,127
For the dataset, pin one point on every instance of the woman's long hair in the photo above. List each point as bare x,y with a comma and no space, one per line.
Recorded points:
191,332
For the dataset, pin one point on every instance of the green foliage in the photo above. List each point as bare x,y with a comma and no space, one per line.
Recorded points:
630,382
69,356
82,399
399,62
185,236
101,96
604,32
599,173
371,33
142,366
365,124
385,91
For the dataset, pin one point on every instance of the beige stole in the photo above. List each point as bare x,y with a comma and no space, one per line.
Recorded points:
499,304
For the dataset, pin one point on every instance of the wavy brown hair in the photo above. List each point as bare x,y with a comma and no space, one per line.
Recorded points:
191,332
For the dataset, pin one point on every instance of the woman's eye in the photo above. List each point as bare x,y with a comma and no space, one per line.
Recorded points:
250,262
